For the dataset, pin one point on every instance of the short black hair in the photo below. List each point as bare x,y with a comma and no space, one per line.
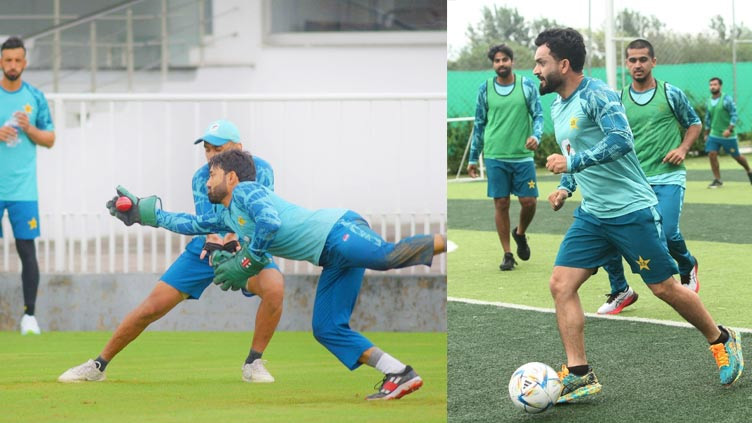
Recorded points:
640,43
564,43
715,78
13,42
235,160
501,48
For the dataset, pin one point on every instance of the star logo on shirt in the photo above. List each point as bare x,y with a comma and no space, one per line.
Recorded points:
28,109
531,184
573,123
241,221
32,223
643,263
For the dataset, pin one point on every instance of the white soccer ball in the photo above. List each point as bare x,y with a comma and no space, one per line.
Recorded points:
534,387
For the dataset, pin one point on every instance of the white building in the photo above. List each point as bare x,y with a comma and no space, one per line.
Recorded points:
346,99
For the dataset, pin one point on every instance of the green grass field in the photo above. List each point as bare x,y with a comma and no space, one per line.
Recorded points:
650,373
195,376
715,224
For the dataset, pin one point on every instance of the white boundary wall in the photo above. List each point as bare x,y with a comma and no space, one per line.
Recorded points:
381,155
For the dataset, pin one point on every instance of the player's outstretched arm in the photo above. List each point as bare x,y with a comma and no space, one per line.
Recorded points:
131,209
189,224
145,211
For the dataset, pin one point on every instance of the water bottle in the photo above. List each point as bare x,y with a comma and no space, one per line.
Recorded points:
12,121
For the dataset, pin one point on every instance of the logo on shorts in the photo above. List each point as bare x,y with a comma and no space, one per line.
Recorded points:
245,263
345,237
32,223
531,184
241,221
643,263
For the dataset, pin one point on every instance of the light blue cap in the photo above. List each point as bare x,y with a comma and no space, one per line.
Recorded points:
219,133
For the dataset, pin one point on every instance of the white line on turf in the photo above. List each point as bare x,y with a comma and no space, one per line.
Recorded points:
599,316
451,246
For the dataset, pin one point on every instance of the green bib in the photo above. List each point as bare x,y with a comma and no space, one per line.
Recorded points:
720,118
655,129
508,123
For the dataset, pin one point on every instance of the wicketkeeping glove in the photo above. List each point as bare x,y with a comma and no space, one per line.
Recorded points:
143,211
210,247
231,247
232,271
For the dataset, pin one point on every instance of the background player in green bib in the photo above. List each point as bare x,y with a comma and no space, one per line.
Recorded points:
617,214
655,109
27,124
719,131
508,127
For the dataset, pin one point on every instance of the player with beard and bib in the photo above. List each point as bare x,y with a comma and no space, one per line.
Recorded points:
508,128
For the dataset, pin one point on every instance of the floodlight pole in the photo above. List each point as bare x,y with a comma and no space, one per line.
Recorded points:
610,47
733,45
590,38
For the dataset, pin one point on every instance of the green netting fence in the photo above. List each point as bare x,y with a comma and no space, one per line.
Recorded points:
692,78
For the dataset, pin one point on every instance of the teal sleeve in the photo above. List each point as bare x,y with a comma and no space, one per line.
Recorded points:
683,111
534,107
708,118
567,183
44,118
188,224
603,107
200,192
479,127
728,104
255,200
264,172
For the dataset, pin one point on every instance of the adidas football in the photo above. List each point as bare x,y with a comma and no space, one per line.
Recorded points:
534,387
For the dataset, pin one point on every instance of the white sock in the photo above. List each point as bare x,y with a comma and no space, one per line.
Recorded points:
388,364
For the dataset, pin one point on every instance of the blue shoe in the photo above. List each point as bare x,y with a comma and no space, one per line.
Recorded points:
576,387
729,357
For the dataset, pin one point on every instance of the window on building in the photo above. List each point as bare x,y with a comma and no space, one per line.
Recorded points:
356,21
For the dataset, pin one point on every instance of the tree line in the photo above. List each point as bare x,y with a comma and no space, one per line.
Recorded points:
499,24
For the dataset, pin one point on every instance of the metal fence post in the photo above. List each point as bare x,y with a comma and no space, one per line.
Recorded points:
129,46
59,233
56,55
93,55
165,47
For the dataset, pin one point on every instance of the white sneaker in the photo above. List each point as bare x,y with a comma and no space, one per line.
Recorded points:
87,372
256,372
691,281
29,325
616,302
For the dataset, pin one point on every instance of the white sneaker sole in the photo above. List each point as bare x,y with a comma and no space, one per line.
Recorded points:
258,380
61,380
408,387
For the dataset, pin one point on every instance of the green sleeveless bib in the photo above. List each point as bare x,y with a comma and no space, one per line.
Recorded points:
720,117
508,123
655,129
